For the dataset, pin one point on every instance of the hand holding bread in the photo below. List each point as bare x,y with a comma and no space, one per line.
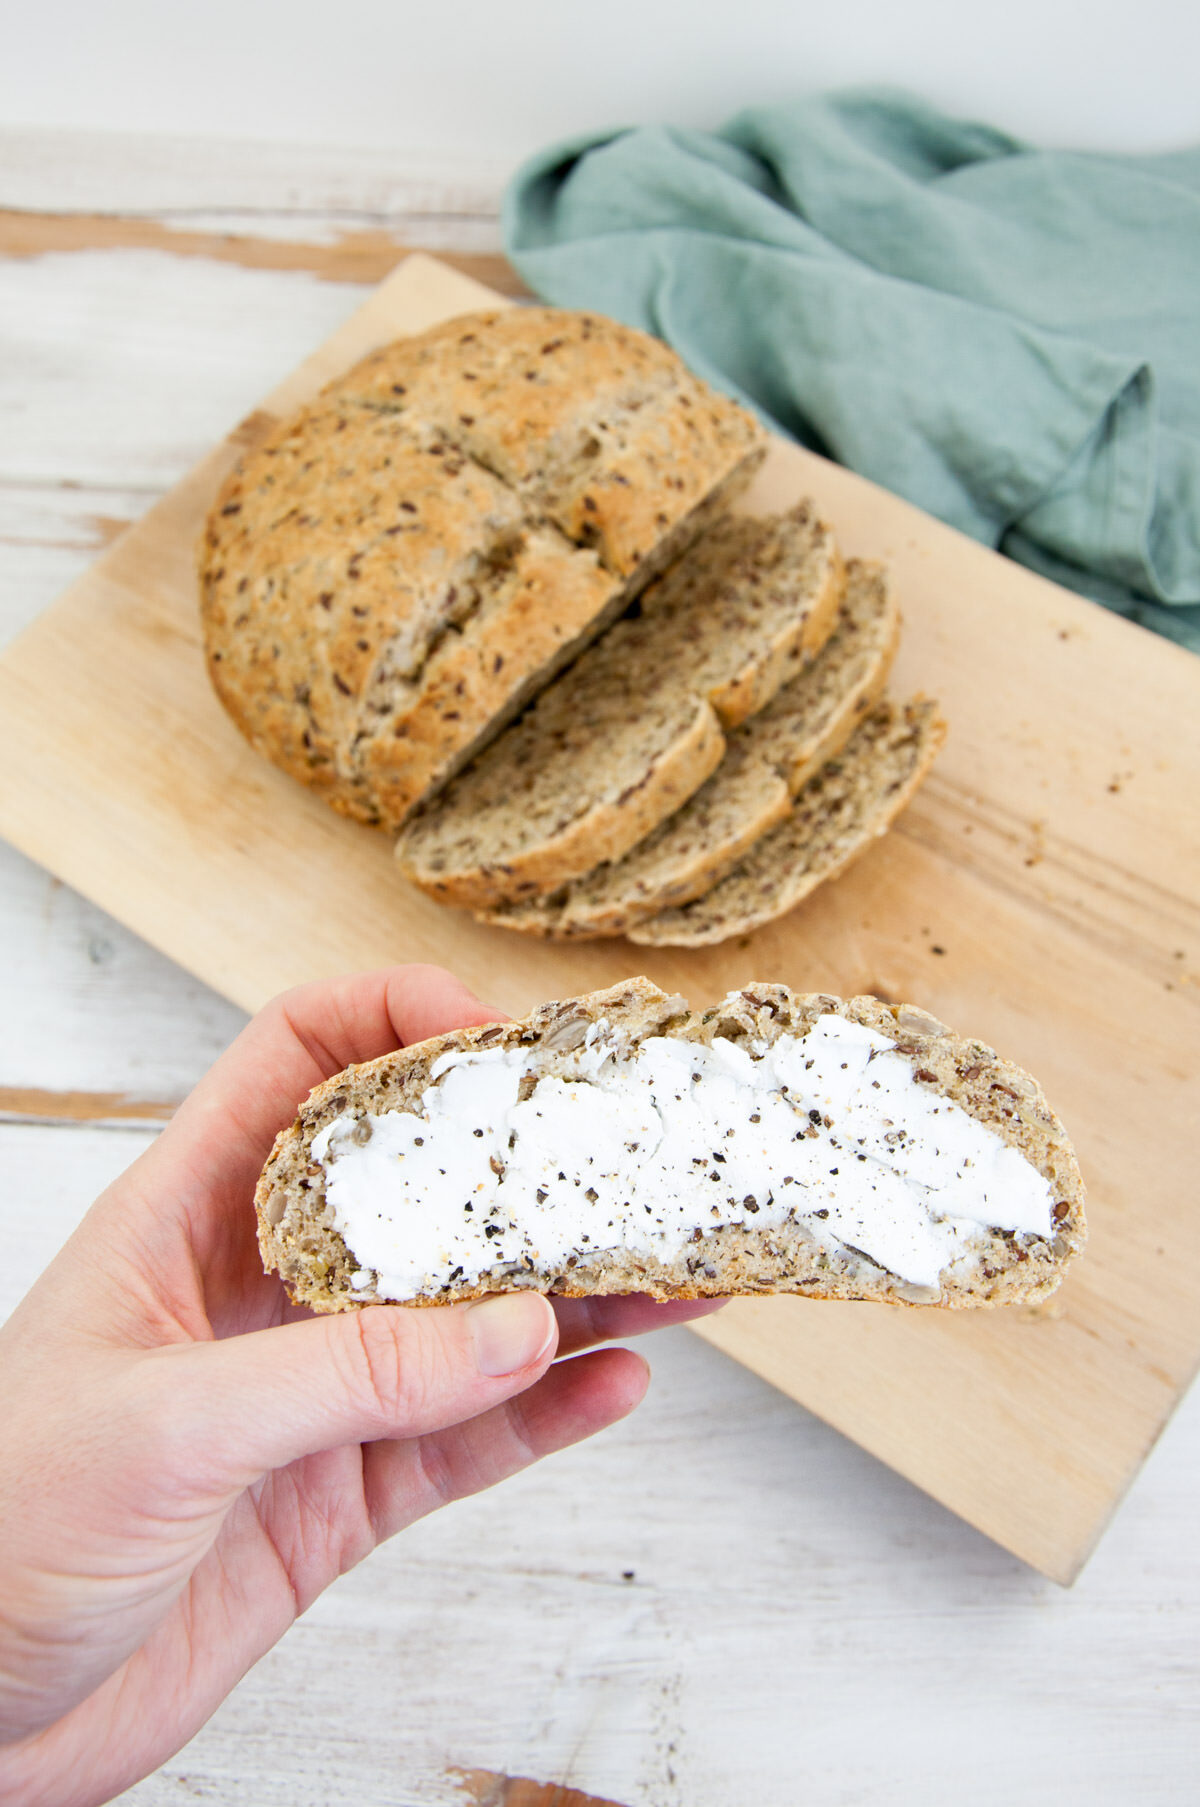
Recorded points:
187,1461
621,1143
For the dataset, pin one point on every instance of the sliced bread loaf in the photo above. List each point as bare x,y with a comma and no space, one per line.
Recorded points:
638,723
769,758
839,814
618,1143
381,594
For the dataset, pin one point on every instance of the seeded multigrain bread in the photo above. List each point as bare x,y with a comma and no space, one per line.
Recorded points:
392,573
637,724
931,1072
837,817
595,426
769,759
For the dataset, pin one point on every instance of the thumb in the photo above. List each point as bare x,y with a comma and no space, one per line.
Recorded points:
262,1400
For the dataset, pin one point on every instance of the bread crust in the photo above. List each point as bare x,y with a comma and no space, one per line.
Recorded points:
298,1241
599,427
387,577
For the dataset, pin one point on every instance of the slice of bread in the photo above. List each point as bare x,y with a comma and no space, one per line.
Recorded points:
890,1156
838,815
769,758
381,591
637,724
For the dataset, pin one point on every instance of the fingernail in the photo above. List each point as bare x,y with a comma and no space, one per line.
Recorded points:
509,1331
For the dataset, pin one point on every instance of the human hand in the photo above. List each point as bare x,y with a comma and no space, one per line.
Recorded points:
187,1460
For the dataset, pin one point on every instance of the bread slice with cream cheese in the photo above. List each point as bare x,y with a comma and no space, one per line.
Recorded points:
619,1142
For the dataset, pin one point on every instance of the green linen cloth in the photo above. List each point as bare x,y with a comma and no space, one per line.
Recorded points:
1009,337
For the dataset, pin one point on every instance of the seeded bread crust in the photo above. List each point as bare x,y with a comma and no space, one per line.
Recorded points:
384,585
769,759
837,817
633,729
298,1241
596,426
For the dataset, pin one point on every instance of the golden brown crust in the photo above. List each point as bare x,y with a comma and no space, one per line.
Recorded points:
388,576
600,427
298,1240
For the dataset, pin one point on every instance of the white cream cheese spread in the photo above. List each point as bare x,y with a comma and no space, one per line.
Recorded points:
638,1149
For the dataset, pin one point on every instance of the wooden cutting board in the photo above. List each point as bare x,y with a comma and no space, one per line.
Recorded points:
1040,893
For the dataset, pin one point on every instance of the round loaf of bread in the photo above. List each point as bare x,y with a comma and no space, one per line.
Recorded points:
389,575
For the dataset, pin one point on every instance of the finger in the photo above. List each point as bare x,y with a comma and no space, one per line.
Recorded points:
585,1322
365,1014
252,1403
223,1132
404,1481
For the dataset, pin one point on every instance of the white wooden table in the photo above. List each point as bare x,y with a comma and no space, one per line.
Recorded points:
719,1603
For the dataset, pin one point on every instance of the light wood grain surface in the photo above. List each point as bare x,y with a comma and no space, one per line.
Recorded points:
783,1583
1041,888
